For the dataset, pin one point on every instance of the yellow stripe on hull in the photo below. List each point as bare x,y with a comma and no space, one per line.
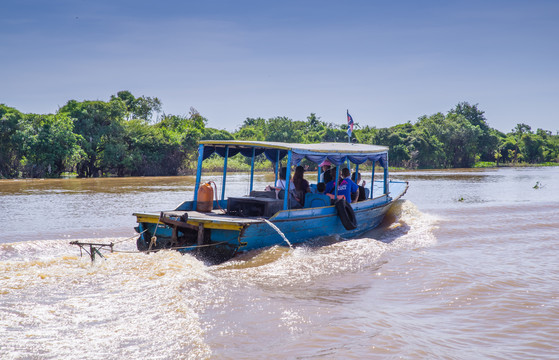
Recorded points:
208,224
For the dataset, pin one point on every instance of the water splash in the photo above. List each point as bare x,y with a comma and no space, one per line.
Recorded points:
51,296
273,226
115,305
405,227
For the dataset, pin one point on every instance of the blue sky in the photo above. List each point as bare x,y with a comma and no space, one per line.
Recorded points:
388,62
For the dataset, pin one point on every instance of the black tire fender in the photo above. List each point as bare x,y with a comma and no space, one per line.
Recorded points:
346,214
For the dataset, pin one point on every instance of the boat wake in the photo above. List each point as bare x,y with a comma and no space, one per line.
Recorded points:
404,227
52,296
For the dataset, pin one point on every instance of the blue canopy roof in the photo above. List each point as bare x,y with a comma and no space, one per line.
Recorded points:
336,153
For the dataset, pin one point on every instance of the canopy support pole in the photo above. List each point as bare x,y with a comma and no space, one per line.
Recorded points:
386,189
287,181
252,169
198,174
336,181
373,178
277,165
224,172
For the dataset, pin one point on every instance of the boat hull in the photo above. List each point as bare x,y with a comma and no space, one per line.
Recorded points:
224,236
303,225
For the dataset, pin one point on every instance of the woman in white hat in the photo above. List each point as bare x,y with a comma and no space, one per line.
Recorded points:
325,165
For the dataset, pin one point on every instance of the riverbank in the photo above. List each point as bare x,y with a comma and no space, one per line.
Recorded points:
239,165
491,164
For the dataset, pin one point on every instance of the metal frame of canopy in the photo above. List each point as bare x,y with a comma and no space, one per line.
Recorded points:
336,153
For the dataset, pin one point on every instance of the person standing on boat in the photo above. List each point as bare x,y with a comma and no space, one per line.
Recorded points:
347,186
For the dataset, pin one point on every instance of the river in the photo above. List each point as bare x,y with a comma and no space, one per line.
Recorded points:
465,267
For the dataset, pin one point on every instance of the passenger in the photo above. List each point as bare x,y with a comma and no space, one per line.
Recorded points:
347,186
331,186
320,187
301,185
294,202
327,176
362,193
281,181
325,165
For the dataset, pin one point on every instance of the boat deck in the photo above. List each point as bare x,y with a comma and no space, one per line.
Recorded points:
215,216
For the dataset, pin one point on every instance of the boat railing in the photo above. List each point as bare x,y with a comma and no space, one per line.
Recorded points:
276,151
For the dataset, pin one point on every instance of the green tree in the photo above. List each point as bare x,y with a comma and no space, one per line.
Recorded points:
249,133
488,141
11,150
259,123
426,150
532,148
215,134
144,107
508,147
282,129
182,135
128,99
94,120
460,140
521,129
51,147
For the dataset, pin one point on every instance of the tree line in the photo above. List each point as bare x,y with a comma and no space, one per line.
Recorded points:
130,136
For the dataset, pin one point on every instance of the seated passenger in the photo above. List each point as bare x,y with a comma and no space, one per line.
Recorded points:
362,193
347,186
280,189
325,166
330,185
330,189
281,181
326,176
301,185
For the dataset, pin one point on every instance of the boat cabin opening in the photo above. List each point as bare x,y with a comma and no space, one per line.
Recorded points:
265,203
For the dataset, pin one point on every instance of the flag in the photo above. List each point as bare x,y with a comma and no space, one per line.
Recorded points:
349,124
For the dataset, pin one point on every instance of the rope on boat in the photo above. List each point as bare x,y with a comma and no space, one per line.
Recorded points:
154,238
278,231
216,199
130,238
171,248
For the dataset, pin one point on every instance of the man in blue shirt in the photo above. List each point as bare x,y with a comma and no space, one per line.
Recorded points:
346,187
332,183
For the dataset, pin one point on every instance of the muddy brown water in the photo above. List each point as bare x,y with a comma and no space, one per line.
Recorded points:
466,267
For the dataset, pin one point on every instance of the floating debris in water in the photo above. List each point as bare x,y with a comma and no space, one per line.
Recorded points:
538,185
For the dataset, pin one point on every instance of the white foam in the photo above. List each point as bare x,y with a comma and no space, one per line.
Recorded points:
133,304
406,228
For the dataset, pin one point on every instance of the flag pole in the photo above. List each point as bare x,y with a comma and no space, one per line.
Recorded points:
348,132
348,138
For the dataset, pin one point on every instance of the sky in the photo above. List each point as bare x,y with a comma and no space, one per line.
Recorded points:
387,62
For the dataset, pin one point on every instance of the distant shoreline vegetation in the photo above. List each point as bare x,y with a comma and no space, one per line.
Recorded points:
130,136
